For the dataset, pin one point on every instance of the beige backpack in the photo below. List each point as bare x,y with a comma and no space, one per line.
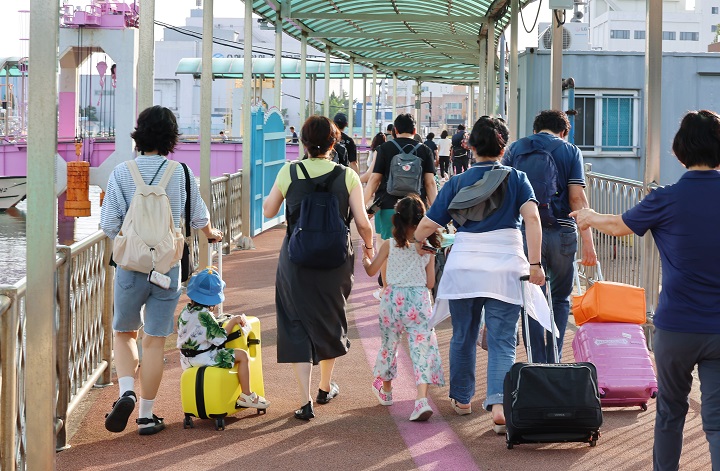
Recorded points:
148,238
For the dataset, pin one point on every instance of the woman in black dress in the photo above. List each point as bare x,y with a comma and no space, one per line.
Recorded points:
311,302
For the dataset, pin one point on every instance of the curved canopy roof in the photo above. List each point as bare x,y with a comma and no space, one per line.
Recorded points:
232,68
429,40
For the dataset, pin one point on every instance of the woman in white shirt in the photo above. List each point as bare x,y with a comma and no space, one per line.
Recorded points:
444,145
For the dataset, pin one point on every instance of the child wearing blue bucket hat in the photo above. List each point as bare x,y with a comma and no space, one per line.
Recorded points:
201,339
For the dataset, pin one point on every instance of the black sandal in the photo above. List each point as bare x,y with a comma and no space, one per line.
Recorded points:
116,420
305,412
157,426
323,397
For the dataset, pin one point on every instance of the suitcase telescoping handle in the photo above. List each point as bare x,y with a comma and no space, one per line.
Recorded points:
524,280
598,272
216,247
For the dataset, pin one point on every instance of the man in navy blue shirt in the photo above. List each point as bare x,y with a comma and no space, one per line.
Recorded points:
559,241
684,220
460,156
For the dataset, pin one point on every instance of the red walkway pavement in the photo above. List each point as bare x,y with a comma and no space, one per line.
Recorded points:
353,432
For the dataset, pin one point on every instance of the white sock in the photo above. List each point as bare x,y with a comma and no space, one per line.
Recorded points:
127,383
146,407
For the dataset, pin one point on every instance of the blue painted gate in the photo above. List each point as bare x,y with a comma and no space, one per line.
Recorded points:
268,157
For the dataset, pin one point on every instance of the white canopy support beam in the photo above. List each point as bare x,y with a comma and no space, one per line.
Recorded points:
491,82
394,100
513,107
326,82
40,357
556,61
146,56
482,75
278,65
247,125
351,97
303,80
373,119
206,117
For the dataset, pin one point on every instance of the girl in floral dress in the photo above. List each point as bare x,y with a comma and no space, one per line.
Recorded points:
201,339
405,307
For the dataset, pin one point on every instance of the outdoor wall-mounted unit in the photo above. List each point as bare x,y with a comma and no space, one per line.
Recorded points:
576,36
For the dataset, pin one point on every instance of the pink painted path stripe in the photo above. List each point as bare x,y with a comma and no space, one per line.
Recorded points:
433,445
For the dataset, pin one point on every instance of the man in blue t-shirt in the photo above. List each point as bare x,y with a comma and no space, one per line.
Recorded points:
684,220
559,242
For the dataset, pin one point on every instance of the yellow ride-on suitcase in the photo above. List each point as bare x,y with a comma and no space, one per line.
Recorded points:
209,392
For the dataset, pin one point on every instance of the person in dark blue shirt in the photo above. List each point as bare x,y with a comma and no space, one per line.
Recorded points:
684,220
560,241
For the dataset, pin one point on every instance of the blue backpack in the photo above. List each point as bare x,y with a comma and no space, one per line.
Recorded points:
320,236
536,160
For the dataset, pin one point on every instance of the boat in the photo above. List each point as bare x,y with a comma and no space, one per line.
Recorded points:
12,191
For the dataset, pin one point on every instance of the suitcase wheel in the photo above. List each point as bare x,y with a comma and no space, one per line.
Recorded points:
188,422
509,445
261,411
593,442
643,406
653,395
220,423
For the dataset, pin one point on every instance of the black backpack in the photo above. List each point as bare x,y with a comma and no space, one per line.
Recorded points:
340,154
320,236
532,157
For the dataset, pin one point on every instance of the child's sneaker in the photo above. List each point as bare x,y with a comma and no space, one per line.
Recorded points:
422,410
385,397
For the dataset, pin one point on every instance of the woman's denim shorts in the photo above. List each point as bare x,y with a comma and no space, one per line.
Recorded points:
133,290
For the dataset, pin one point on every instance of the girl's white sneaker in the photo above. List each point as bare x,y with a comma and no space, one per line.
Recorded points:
422,411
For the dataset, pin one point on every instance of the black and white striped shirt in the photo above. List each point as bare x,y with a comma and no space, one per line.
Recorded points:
121,188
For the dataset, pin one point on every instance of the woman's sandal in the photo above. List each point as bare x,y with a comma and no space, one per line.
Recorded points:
252,401
500,429
460,410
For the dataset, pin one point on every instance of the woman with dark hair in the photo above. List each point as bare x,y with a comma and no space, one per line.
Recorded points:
156,136
484,267
311,302
684,219
444,146
377,141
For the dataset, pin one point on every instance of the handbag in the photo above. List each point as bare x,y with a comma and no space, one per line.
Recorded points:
608,301
187,262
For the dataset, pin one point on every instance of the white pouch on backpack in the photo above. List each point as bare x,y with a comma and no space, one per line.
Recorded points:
148,239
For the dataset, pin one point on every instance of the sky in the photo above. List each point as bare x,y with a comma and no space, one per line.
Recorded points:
174,12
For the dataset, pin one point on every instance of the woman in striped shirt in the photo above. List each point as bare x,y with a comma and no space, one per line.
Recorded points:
156,136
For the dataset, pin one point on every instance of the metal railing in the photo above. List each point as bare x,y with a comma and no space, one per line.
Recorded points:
621,258
83,321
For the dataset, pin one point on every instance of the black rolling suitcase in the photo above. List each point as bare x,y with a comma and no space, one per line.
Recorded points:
550,403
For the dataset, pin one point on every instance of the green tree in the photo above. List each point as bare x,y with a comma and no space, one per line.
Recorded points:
338,103
89,112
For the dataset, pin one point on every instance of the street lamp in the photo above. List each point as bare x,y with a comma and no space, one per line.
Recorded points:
429,103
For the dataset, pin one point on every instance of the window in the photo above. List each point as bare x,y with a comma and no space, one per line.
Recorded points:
607,121
668,35
713,28
714,10
640,34
689,36
453,106
619,34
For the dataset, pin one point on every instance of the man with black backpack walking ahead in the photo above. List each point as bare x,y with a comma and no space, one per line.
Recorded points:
555,170
347,142
387,186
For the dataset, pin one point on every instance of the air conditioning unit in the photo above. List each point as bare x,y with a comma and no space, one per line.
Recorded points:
576,36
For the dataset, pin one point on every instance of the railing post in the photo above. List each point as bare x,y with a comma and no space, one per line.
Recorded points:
227,238
107,315
63,346
9,324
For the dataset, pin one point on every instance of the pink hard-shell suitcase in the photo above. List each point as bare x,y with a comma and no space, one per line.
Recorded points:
624,369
